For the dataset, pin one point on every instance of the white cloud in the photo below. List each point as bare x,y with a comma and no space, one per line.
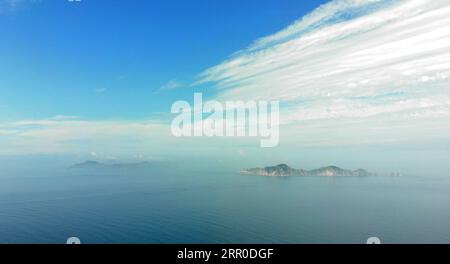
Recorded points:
66,134
107,139
64,117
385,57
170,85
317,19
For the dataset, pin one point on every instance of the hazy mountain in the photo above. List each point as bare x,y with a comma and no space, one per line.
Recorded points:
284,170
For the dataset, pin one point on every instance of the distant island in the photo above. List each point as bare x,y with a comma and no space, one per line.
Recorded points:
90,164
284,170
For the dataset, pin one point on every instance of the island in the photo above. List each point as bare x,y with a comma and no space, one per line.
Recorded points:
284,170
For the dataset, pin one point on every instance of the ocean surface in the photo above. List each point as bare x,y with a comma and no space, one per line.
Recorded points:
179,206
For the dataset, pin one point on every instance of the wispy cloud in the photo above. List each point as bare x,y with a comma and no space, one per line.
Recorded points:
64,118
105,139
170,85
63,134
100,90
349,59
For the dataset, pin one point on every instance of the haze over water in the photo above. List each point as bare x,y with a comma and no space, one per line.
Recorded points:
220,206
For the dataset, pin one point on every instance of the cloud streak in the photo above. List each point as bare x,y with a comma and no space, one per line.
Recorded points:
349,59
63,134
73,135
170,86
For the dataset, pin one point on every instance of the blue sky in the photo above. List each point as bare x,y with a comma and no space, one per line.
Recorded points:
97,78
106,59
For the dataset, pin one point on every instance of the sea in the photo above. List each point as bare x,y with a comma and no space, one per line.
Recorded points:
220,206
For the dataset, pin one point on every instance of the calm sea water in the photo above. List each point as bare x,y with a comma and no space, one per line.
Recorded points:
139,206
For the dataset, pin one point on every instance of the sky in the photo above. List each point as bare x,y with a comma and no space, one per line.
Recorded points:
99,77
83,59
